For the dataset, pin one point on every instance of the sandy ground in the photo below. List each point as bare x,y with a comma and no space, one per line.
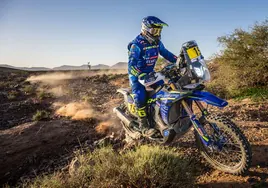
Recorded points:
80,114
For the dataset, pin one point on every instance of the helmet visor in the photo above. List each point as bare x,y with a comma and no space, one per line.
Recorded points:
155,31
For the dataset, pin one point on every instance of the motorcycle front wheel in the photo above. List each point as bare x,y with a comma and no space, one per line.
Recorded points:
235,155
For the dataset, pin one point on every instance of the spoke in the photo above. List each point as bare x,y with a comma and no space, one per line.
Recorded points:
218,158
229,160
229,142
225,154
232,144
231,153
238,155
222,131
232,160
225,158
234,151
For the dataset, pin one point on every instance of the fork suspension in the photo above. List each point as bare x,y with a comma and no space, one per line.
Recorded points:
198,127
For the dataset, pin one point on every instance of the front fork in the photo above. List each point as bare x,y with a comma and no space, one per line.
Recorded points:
197,125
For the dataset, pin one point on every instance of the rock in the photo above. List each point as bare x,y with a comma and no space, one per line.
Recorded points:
252,180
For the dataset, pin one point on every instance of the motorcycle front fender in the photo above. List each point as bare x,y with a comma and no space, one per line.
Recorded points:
208,98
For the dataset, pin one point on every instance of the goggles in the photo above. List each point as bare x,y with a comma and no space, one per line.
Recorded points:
155,31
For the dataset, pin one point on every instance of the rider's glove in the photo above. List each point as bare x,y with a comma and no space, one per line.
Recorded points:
134,71
170,66
142,76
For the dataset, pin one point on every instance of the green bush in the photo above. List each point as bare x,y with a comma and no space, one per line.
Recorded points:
146,166
12,94
243,63
40,115
255,93
43,95
29,89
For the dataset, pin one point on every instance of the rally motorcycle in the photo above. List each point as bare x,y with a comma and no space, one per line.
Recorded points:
170,111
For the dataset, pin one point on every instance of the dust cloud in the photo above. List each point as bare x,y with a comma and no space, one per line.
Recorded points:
104,127
55,83
111,72
51,78
58,91
83,110
75,110
56,77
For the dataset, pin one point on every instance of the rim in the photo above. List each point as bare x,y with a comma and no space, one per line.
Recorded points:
232,154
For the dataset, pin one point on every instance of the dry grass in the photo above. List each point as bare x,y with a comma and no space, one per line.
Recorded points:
145,166
28,89
12,95
41,95
40,115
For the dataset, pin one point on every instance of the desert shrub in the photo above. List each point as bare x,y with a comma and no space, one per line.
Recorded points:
28,89
6,84
146,166
223,83
255,93
43,95
243,62
40,115
49,181
12,95
2,84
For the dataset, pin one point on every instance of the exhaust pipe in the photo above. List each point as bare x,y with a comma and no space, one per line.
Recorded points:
121,115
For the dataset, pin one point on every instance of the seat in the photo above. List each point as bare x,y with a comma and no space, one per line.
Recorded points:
149,93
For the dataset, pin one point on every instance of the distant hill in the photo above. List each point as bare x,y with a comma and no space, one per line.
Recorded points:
8,66
26,68
70,67
35,68
7,69
100,66
119,65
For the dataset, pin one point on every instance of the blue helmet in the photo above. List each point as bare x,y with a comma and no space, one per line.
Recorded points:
151,28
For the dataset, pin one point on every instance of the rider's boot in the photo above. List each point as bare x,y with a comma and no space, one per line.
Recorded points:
143,122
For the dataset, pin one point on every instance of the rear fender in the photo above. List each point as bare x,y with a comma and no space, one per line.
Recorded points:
128,99
208,98
123,91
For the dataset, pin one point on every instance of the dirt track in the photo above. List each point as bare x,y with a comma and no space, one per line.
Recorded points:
30,148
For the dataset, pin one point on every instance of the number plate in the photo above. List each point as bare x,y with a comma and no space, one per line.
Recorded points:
193,52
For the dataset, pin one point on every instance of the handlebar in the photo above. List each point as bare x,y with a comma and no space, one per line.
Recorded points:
170,68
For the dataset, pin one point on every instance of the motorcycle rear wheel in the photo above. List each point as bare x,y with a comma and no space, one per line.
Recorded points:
236,162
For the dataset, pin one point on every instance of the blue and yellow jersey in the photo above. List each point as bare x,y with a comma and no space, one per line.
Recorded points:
142,55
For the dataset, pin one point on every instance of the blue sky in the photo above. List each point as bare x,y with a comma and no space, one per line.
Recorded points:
72,32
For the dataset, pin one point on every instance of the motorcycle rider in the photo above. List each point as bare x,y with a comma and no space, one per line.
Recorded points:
143,52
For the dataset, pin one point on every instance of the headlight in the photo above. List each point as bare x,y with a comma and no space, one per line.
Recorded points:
199,72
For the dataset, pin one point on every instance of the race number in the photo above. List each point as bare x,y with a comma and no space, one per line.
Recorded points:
131,108
193,52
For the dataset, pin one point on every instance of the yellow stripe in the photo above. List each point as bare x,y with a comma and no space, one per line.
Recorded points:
167,99
200,133
150,47
205,138
177,92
